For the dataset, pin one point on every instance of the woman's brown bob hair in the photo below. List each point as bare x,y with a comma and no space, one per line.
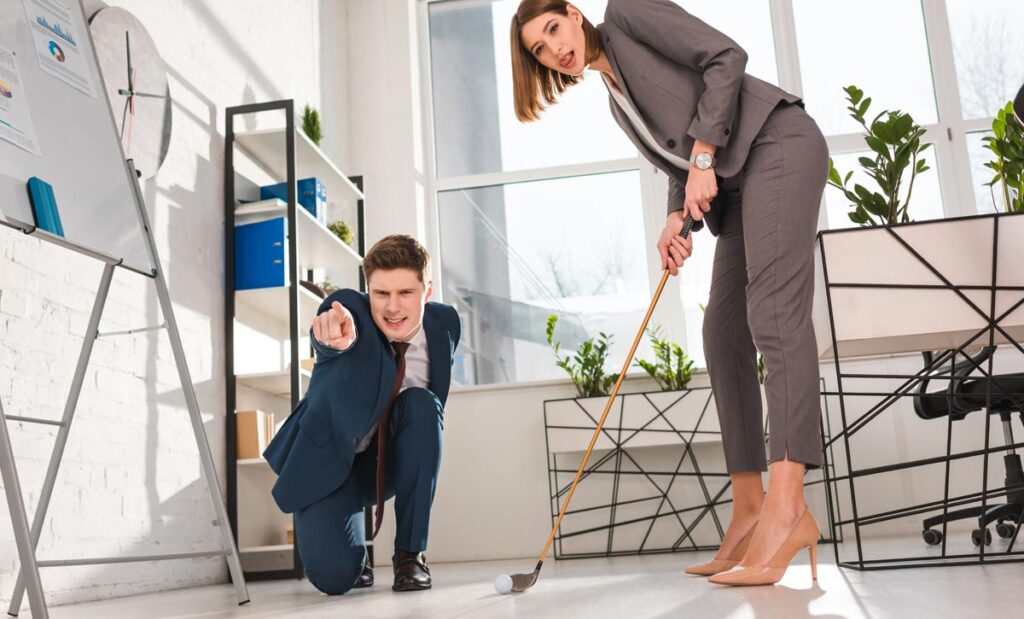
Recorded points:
530,79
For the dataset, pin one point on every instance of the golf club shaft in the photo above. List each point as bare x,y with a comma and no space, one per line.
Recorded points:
611,398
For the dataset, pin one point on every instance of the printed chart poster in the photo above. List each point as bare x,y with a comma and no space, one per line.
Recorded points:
57,43
15,120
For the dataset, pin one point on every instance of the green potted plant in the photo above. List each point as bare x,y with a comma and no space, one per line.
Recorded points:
311,124
877,302
895,140
645,437
342,230
672,367
1007,144
586,366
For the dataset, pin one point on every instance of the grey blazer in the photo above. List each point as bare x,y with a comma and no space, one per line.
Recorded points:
687,80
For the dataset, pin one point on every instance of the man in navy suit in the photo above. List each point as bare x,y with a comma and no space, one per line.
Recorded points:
369,427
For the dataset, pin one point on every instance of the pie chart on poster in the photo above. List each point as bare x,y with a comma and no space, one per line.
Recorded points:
56,51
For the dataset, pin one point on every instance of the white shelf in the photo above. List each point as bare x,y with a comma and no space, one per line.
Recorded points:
277,548
268,148
319,248
273,302
274,383
252,462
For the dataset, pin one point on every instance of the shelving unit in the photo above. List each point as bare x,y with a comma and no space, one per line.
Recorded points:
266,329
274,383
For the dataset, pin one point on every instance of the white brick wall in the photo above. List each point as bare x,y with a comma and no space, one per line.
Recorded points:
130,481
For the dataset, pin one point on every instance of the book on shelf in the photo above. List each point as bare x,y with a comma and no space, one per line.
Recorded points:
254,431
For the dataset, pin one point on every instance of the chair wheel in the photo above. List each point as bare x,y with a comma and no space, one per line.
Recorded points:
1005,529
976,536
932,537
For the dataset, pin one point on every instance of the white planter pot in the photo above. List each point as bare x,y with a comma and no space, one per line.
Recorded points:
611,511
875,320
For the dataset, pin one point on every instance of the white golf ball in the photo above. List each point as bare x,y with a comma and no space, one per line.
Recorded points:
503,583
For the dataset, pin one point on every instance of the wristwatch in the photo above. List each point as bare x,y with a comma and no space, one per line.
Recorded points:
703,161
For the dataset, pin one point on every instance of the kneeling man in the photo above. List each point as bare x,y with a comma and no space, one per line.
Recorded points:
369,427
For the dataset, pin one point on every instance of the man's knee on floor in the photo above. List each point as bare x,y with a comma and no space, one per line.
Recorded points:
336,576
417,401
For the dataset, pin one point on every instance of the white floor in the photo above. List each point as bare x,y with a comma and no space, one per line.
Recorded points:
628,587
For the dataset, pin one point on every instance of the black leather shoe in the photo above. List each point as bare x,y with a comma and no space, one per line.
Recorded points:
366,578
411,571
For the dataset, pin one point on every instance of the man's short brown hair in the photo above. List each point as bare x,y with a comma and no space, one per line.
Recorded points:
397,251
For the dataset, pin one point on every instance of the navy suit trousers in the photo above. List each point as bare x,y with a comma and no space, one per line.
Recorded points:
331,533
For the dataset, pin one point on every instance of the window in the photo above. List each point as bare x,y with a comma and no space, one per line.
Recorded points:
989,53
561,215
516,253
568,238
475,126
843,43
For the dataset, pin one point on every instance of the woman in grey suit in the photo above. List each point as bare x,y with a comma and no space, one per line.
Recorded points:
744,158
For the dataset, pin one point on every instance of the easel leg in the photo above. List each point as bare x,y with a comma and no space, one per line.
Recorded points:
62,435
19,520
205,455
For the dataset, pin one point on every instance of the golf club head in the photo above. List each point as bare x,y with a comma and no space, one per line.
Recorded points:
522,582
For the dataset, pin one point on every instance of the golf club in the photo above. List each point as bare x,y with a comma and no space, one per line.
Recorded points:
521,582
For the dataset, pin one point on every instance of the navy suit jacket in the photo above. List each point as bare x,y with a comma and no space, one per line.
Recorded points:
312,453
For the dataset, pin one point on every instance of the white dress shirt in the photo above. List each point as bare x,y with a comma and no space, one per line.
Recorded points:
417,374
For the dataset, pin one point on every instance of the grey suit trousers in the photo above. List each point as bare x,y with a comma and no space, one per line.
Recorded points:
762,290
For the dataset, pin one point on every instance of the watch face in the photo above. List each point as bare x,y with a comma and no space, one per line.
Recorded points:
704,161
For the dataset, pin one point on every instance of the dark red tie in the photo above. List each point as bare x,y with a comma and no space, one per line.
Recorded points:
383,429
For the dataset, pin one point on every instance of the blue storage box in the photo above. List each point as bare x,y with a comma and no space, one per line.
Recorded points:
310,193
261,254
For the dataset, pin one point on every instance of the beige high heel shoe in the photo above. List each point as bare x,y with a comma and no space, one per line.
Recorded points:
720,565
805,534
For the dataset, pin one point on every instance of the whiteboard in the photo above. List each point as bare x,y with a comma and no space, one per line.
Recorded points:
80,152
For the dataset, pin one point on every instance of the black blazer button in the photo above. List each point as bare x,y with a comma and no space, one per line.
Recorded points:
671,143
726,132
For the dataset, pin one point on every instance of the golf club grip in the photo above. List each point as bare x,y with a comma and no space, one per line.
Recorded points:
687,227
611,399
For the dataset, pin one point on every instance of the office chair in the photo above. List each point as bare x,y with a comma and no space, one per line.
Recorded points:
964,396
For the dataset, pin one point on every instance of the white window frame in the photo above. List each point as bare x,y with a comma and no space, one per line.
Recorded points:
670,307
949,135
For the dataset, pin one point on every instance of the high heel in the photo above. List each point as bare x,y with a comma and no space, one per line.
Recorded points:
804,534
721,565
